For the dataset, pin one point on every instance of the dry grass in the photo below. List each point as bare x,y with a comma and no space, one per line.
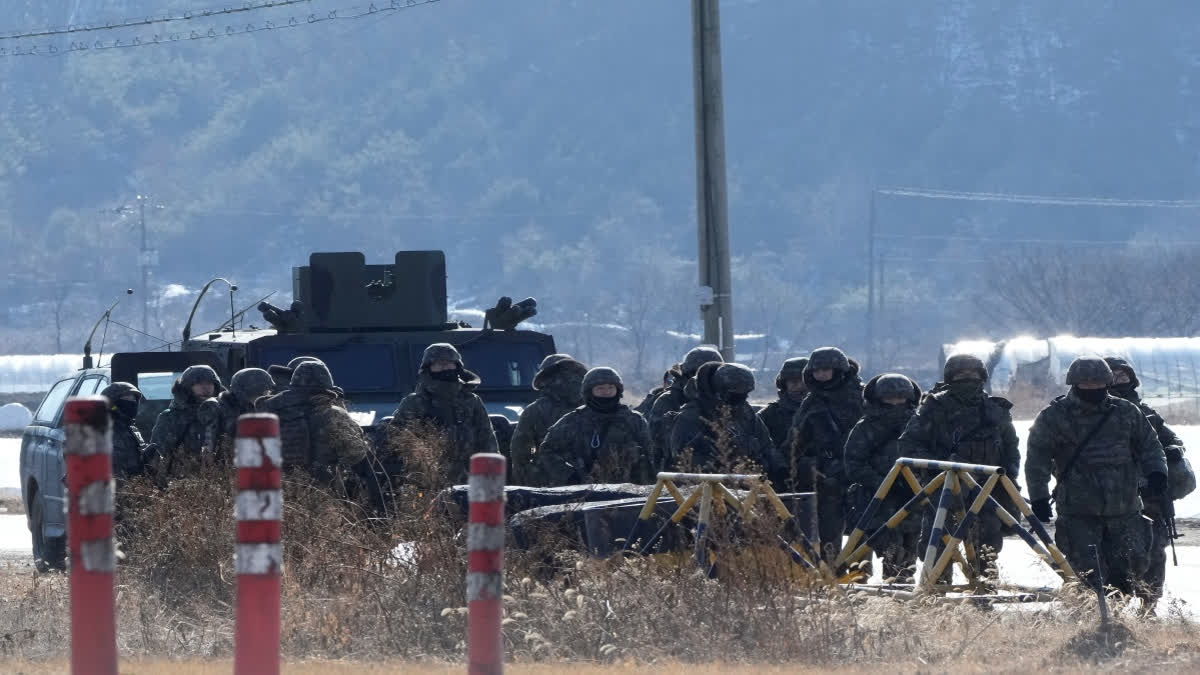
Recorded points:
362,594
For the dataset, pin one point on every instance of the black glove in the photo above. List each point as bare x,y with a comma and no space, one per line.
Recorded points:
1156,485
1174,453
1041,509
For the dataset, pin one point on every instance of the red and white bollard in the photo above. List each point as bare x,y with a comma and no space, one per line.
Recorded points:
91,501
258,559
485,564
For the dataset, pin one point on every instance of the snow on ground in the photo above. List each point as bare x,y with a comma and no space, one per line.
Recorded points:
14,417
14,534
10,468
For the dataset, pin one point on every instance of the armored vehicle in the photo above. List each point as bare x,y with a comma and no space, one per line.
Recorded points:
369,323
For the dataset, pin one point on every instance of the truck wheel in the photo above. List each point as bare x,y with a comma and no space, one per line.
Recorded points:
49,553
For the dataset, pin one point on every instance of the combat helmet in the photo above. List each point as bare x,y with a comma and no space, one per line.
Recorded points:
1089,370
1116,363
958,363
828,357
553,364
116,390
601,375
440,351
734,378
791,369
892,385
699,356
249,382
312,375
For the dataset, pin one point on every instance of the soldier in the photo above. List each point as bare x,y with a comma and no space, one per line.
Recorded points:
602,441
559,381
959,422
317,434
1179,474
817,439
672,399
778,414
1099,449
871,451
647,404
187,428
129,449
718,426
445,398
245,387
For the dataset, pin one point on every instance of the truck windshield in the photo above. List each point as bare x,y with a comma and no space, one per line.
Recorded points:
502,364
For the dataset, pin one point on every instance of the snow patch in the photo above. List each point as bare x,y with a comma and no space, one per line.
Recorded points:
14,417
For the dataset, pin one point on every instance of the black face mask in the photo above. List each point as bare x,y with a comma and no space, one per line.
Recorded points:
127,409
1122,390
604,404
444,375
733,398
1091,395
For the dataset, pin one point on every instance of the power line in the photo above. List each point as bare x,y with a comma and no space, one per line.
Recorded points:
148,20
202,34
1063,242
1049,200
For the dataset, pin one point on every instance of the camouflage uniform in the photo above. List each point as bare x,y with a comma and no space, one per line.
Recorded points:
1152,587
559,381
245,387
871,451
778,414
1097,485
452,406
958,421
188,428
672,400
602,441
817,440
129,449
317,434
718,426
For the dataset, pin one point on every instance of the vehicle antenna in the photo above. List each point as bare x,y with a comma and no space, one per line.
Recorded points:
187,328
87,346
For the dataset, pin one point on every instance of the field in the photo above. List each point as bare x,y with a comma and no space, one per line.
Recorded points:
352,605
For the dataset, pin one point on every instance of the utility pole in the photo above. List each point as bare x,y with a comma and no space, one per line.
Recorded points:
716,301
869,354
143,261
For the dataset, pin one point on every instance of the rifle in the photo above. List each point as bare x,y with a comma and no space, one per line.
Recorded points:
1100,598
1168,517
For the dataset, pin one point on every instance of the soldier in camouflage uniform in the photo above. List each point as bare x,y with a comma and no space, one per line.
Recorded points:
672,400
817,439
318,435
718,427
445,398
1182,480
559,381
602,441
647,405
129,449
245,387
778,414
186,432
1099,449
959,422
871,451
